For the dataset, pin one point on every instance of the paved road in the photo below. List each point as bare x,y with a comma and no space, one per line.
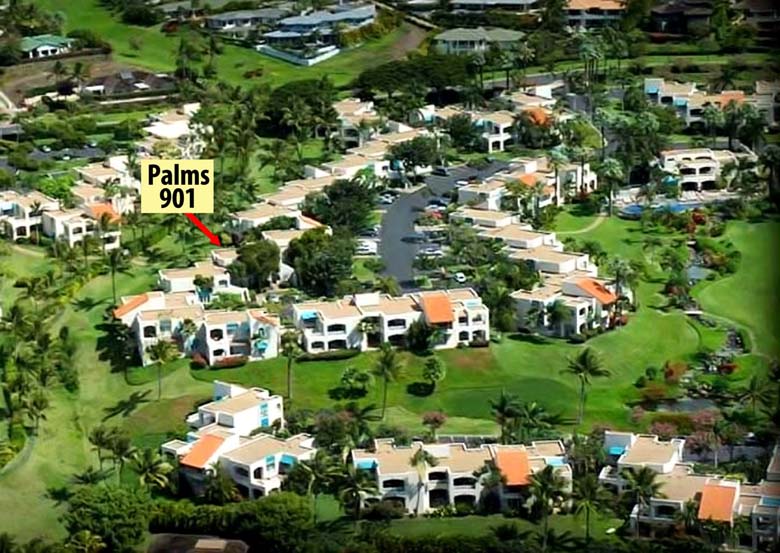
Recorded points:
398,221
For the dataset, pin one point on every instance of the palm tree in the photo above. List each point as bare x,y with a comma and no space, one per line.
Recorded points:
7,452
290,350
689,516
548,491
590,497
642,484
7,543
101,437
713,120
611,175
388,285
585,366
505,411
320,472
353,485
558,314
421,460
388,368
558,159
122,450
220,488
151,468
162,352
769,161
116,259
187,330
533,419
757,392
36,406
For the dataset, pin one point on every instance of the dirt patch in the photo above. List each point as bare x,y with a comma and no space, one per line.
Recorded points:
408,42
476,359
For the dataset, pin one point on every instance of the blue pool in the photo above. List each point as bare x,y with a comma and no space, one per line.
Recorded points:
634,211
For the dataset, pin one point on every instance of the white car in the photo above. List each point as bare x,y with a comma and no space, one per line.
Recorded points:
386,199
460,278
366,247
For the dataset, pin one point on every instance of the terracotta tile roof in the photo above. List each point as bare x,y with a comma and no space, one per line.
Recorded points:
98,210
597,290
538,115
529,179
126,308
202,451
717,503
514,465
437,308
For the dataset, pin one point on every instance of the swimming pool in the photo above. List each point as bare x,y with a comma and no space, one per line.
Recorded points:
635,210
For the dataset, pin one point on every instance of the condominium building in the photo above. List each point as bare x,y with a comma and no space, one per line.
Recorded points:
483,217
357,120
463,41
184,280
72,225
458,476
364,321
21,214
230,431
321,26
176,128
589,14
262,213
181,318
696,168
496,129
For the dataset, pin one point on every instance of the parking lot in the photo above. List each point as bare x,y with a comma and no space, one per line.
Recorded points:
398,244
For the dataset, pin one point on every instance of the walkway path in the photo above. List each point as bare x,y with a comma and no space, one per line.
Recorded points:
599,219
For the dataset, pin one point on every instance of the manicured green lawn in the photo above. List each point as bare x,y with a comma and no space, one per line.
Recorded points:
750,296
157,52
571,221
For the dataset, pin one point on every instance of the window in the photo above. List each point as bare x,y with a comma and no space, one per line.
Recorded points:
232,328
150,332
393,484
264,410
165,325
257,474
270,463
241,471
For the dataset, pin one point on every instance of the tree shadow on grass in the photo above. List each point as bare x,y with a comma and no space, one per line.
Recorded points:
87,304
126,407
419,389
535,339
116,347
59,494
338,393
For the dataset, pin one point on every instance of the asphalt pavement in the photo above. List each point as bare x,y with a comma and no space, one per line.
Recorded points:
397,253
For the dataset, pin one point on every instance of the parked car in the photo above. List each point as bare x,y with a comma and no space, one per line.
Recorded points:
441,171
415,238
386,199
431,251
460,278
366,247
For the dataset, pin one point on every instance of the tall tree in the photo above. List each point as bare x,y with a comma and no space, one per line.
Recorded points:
290,350
421,461
162,352
590,497
548,492
388,368
151,468
353,485
505,411
586,365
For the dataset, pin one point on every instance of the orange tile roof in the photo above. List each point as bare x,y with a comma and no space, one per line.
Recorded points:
597,290
97,210
126,308
538,115
202,451
717,503
437,308
529,179
514,465
728,96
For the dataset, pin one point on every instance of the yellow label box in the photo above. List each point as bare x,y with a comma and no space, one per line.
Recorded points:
177,186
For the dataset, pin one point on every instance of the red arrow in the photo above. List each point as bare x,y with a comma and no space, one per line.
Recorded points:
213,238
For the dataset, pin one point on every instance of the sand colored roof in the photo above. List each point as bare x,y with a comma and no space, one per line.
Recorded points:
235,404
190,312
459,458
460,294
98,210
514,465
224,317
547,448
87,191
98,171
393,306
132,303
515,232
28,199
226,253
481,214
317,183
351,106
264,317
396,137
437,308
371,149
543,253
203,450
203,268
393,459
331,309
605,5
287,194
257,449
501,117
681,484
649,450
717,503
348,161
675,88
596,289
264,211
282,235
485,187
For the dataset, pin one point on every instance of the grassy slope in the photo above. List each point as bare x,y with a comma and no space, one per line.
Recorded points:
157,51
750,296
